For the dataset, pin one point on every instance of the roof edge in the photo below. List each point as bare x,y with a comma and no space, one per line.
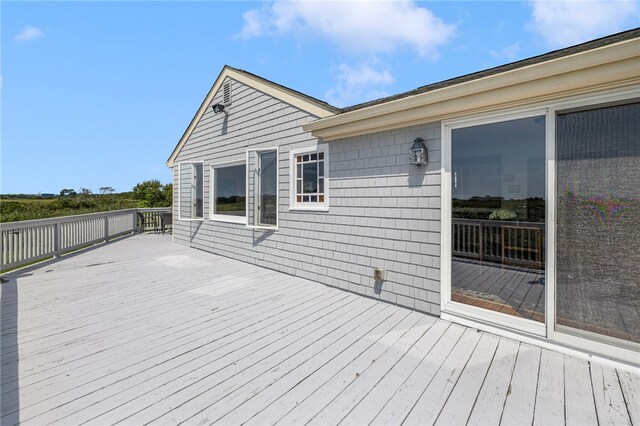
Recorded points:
304,102
544,57
433,103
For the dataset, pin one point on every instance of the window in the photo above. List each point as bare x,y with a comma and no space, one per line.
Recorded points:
229,192
262,188
191,190
309,184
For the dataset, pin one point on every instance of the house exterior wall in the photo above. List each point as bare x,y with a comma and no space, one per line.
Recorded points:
383,211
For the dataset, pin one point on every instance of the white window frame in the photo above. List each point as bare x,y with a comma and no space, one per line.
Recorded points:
447,305
308,206
212,208
180,193
265,227
547,335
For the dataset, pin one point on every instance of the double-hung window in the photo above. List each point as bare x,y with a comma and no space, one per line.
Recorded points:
309,179
191,190
228,192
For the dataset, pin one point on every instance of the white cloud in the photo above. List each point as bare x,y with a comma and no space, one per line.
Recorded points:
510,53
29,33
363,26
563,23
361,84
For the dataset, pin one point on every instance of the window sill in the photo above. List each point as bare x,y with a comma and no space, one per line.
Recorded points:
242,220
263,228
309,209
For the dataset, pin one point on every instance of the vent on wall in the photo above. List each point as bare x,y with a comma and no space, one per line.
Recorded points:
226,94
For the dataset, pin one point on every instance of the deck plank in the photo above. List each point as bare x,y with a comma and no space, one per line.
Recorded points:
520,401
437,391
327,389
371,405
75,368
141,330
608,396
578,393
549,407
201,408
303,390
222,335
630,384
490,401
426,331
277,383
396,409
121,333
460,403
194,373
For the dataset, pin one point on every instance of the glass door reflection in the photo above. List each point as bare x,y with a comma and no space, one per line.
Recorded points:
498,217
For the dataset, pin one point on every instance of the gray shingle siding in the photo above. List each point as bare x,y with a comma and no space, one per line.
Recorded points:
383,211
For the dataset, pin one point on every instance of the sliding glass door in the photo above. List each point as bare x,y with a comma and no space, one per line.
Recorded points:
598,223
541,222
497,245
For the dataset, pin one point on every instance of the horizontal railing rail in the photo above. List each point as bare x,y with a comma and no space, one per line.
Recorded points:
515,243
30,241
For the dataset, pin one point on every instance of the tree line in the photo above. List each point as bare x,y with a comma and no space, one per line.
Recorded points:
149,193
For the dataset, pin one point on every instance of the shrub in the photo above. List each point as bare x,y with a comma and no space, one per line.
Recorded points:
503,214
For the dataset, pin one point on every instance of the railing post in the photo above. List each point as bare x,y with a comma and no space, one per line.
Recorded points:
481,240
57,243
135,220
106,229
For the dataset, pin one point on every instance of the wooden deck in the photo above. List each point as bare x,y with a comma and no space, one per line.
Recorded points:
143,331
512,290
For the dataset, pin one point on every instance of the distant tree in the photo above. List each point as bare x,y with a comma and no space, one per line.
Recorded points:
67,192
85,191
106,190
168,194
152,193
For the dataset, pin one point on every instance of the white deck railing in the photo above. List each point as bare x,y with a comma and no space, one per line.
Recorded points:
33,240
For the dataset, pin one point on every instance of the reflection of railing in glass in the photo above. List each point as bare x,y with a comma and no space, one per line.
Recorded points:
515,243
268,209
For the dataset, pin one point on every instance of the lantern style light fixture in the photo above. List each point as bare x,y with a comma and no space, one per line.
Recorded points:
218,108
418,154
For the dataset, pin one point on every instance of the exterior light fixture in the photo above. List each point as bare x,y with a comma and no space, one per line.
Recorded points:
418,154
218,108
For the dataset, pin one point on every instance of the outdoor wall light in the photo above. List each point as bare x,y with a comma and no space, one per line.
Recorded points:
218,108
418,154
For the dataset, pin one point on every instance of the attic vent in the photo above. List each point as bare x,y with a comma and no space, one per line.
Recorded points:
226,97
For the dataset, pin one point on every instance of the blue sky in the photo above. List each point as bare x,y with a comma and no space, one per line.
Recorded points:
98,93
